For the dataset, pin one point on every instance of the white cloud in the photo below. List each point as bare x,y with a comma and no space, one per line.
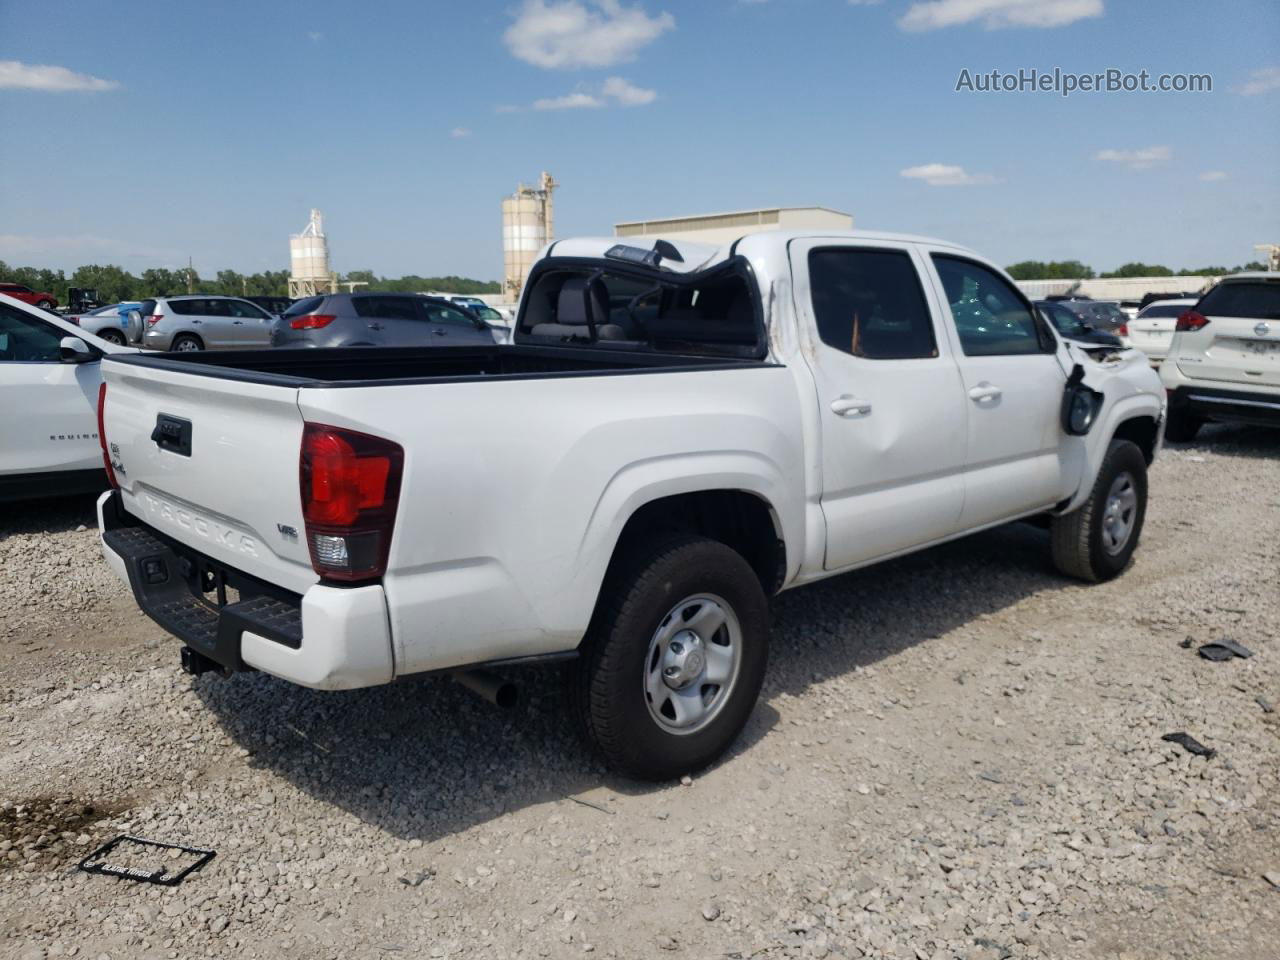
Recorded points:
1260,81
1211,176
615,90
569,33
570,101
16,75
626,93
997,14
315,36
945,175
1142,159
863,3
459,133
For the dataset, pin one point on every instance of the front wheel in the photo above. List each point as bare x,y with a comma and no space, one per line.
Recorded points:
674,658
1096,541
45,304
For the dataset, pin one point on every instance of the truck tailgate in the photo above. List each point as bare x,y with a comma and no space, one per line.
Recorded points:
212,463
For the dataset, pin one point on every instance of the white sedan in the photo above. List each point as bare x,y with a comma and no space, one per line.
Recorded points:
1151,331
49,378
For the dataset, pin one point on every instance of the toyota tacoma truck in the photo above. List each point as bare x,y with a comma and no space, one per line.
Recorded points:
674,435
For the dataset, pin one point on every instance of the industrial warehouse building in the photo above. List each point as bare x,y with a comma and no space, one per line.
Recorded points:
717,229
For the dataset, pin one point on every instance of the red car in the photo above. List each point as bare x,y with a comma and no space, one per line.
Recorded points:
45,301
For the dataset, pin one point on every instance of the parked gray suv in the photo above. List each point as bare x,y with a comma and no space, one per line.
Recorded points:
379,320
202,322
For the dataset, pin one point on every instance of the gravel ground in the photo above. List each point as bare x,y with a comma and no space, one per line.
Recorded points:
957,754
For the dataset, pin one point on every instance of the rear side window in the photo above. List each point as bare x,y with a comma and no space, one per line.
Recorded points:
185,308
387,308
991,317
309,305
869,303
1251,298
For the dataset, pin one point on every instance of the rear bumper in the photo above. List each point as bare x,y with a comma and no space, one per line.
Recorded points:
330,638
1211,403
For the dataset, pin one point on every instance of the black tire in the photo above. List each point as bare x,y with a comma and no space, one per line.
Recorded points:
1182,427
1077,538
186,338
608,681
113,336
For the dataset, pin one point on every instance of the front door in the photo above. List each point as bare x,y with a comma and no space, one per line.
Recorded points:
891,408
48,409
1013,383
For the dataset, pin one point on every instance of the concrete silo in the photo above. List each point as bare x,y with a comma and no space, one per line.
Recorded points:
527,223
309,261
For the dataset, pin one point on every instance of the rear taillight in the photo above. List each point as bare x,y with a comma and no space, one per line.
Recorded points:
350,489
1191,321
75,320
154,319
102,436
312,321
1123,330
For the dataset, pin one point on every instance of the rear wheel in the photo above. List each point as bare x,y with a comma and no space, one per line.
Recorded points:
186,341
113,336
1182,427
44,304
674,659
1096,541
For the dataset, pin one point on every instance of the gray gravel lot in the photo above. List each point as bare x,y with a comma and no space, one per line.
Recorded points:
957,754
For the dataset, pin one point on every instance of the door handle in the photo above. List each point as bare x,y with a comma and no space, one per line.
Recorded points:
441,333
238,322
375,326
847,406
985,391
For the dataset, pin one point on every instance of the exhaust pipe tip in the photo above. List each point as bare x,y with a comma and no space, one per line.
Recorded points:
501,693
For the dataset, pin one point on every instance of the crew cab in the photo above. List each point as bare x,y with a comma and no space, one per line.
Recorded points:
674,435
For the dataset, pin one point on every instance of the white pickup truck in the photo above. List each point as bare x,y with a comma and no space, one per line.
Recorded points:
673,436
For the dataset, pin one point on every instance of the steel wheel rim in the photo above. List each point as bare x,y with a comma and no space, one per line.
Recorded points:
692,664
184,345
1120,513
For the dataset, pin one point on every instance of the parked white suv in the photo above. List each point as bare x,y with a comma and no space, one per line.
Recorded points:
201,322
674,435
1224,360
1151,331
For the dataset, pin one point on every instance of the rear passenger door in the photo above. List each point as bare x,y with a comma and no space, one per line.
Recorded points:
1013,385
891,408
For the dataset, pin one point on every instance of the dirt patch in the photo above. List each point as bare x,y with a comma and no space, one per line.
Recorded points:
49,829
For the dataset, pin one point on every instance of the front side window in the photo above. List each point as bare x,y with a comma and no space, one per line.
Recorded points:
869,303
991,318
244,309
438,313
25,339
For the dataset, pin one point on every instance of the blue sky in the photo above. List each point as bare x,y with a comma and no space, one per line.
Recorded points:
142,133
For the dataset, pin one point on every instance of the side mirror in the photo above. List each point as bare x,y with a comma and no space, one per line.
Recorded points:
74,350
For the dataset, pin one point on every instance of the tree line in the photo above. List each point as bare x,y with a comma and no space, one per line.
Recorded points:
1075,270
115,284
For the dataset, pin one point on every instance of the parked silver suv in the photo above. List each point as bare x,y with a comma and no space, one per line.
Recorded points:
201,322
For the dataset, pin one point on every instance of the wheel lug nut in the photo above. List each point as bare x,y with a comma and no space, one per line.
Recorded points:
677,646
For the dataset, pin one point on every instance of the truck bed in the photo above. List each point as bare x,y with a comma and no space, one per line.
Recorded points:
366,366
